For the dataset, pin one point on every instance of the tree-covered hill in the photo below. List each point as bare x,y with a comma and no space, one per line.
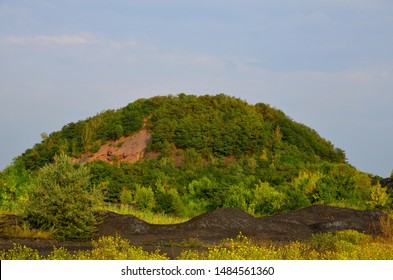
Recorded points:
203,153
218,126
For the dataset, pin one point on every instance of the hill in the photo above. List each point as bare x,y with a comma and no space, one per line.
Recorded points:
219,126
188,154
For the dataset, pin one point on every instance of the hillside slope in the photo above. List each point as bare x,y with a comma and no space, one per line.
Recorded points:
188,154
212,125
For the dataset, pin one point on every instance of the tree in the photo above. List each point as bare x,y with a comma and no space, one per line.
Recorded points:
144,197
62,200
87,135
13,184
379,197
267,200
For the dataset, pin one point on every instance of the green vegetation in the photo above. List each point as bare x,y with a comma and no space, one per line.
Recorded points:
343,245
149,217
61,200
210,152
215,126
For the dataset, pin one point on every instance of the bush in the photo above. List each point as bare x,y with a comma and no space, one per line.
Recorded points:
267,200
117,248
144,198
13,183
62,200
238,196
20,252
379,197
126,196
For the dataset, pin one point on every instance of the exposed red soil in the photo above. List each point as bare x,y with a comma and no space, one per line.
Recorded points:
129,149
126,148
214,226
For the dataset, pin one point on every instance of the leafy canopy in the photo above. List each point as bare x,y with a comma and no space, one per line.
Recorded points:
217,125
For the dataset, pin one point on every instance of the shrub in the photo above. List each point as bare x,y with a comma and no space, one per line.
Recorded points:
379,197
60,254
238,196
62,200
20,252
13,183
126,196
144,197
267,200
117,248
168,199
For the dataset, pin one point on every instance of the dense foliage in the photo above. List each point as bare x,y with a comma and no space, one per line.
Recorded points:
216,126
62,201
210,152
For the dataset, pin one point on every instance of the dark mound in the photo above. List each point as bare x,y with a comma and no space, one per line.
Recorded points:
214,226
327,218
227,222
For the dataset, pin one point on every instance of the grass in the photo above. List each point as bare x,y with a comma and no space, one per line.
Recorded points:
149,217
11,228
343,245
23,231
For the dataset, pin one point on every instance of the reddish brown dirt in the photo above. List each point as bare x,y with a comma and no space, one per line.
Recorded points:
130,149
214,226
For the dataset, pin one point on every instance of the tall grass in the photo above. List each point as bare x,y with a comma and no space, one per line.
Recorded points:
150,217
12,228
24,231
343,245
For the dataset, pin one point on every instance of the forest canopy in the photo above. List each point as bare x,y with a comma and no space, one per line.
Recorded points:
212,125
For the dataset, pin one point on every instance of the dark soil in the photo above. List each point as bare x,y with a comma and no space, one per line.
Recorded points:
212,227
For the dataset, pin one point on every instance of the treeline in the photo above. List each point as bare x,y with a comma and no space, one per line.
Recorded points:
63,198
252,184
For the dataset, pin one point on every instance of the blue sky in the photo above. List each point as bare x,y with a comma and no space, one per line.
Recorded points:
325,63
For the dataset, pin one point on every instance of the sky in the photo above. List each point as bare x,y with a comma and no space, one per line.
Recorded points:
326,63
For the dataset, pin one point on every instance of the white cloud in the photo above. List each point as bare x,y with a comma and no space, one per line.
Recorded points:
14,40
66,39
62,39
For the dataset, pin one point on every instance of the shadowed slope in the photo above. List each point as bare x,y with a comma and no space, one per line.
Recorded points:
228,222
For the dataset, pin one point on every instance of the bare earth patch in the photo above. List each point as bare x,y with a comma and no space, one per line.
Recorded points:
130,149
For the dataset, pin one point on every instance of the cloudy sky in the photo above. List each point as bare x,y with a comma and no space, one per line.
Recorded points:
325,63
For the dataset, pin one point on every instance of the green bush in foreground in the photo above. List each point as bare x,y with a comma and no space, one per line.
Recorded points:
116,248
62,200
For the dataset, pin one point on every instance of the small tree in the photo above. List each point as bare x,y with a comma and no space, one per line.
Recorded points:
379,197
62,200
144,198
267,200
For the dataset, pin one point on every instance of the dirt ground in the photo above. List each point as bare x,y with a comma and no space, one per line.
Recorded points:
212,227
